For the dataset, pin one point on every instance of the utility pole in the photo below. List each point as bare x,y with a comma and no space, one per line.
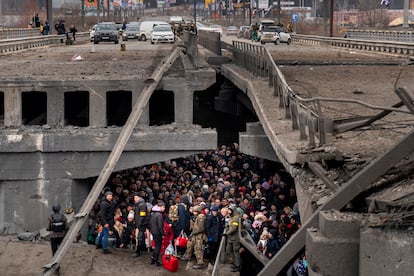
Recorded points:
49,14
195,13
83,14
107,10
406,7
278,12
331,15
1,16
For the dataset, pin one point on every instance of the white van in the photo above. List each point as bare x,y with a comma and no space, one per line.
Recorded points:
146,27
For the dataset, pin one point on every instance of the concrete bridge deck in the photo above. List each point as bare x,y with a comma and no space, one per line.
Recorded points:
101,61
326,72
353,166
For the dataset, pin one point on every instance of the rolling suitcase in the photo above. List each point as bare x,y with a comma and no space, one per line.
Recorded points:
170,263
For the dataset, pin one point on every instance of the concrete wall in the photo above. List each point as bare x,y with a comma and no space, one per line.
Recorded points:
333,249
343,245
386,252
26,205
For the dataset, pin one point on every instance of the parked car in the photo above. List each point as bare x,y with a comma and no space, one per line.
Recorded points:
242,30
162,33
269,34
284,36
106,32
232,30
146,27
92,32
264,23
202,27
131,32
216,28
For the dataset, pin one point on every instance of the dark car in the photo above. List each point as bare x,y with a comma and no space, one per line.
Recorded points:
106,32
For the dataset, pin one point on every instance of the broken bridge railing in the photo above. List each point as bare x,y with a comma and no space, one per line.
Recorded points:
258,61
312,126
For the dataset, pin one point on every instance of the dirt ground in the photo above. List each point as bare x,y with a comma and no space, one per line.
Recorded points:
18,258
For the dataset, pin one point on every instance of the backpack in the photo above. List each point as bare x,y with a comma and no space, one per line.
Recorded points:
58,223
173,213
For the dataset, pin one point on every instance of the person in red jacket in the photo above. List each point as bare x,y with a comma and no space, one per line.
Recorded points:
168,235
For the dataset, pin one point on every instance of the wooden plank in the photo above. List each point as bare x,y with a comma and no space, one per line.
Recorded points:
81,217
357,184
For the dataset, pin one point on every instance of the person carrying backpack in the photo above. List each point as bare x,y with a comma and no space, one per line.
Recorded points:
58,225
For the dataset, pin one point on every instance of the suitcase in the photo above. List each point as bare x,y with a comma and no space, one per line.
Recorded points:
170,263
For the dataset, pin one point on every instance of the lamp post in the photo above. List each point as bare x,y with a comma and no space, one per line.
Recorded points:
49,13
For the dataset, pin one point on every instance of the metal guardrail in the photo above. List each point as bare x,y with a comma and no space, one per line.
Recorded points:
18,33
18,44
258,60
210,41
389,47
381,35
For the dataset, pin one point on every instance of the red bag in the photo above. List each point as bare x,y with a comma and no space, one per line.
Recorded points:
182,240
170,263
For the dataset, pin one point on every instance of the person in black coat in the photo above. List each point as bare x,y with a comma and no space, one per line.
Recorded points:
183,223
272,246
214,230
142,222
106,216
157,230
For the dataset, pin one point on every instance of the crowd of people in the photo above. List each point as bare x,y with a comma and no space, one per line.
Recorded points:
203,198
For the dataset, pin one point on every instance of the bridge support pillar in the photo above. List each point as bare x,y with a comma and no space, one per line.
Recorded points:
97,108
55,112
183,100
145,118
12,107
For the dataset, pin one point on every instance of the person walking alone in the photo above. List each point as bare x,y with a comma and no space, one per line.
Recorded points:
58,225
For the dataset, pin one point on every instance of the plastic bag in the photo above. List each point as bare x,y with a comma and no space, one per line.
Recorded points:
169,250
182,239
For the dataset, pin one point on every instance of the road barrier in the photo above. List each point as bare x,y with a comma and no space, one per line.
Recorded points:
18,44
381,35
389,47
18,33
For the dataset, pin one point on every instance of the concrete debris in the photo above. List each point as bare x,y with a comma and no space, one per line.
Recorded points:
28,236
322,200
44,234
